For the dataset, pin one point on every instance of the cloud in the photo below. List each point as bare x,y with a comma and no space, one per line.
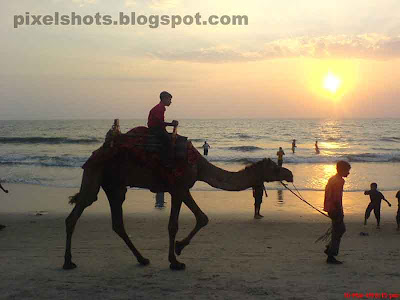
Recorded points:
84,2
164,4
367,46
130,3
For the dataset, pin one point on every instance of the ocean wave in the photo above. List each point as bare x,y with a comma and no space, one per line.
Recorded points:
242,136
43,161
333,139
48,140
196,140
390,139
383,149
316,159
245,148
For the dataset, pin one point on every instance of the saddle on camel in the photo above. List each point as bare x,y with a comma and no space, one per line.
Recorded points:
144,149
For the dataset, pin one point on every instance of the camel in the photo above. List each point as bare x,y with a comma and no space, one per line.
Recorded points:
135,175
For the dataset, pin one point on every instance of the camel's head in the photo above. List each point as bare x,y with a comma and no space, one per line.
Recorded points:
272,172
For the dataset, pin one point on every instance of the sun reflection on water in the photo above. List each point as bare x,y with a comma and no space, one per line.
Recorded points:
326,172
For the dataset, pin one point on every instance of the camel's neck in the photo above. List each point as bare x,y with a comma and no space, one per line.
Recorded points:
225,180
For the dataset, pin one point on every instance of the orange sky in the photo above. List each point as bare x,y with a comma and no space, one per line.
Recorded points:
274,67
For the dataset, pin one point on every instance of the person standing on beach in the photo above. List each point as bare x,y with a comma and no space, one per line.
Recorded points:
316,147
258,194
157,126
160,200
293,146
5,191
280,155
376,197
205,147
398,211
334,207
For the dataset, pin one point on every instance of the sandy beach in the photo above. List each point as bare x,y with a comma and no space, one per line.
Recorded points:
234,257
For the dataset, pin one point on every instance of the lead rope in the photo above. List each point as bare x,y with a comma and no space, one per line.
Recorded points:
302,199
326,236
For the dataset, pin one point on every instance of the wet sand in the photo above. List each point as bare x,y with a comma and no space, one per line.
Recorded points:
234,257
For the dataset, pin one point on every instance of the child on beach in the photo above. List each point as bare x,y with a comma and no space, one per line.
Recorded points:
5,191
334,207
398,211
258,194
280,154
375,204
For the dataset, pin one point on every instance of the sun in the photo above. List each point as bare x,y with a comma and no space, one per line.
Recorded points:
332,83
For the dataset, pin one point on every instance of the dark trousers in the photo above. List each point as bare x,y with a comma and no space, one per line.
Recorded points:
205,151
338,229
163,137
280,162
377,211
257,201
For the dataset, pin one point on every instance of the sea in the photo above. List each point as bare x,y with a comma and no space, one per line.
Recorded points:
51,152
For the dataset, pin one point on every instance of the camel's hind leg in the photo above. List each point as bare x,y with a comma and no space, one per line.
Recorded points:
116,197
176,204
70,223
201,221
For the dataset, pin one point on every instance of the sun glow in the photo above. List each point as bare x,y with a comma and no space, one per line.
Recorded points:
332,83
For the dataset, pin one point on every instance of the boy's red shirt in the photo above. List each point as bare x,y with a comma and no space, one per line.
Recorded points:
156,116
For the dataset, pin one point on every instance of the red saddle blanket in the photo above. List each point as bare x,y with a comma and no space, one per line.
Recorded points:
133,145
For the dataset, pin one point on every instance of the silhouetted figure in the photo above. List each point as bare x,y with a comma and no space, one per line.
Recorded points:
5,191
157,126
205,147
316,148
280,155
280,196
112,133
258,194
160,200
294,146
376,197
398,211
334,207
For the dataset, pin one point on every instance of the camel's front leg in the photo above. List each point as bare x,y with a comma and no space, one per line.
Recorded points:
176,198
116,198
201,221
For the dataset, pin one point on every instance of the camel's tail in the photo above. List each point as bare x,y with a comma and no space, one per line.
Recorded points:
74,199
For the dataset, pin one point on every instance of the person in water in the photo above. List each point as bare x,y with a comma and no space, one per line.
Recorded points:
280,155
316,148
376,197
205,147
294,146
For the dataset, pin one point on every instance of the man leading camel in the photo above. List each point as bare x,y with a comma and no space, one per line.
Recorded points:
157,126
334,207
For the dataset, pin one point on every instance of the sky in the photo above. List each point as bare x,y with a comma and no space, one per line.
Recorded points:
294,59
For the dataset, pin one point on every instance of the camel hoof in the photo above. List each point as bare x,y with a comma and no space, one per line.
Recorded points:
177,266
69,266
143,261
179,247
